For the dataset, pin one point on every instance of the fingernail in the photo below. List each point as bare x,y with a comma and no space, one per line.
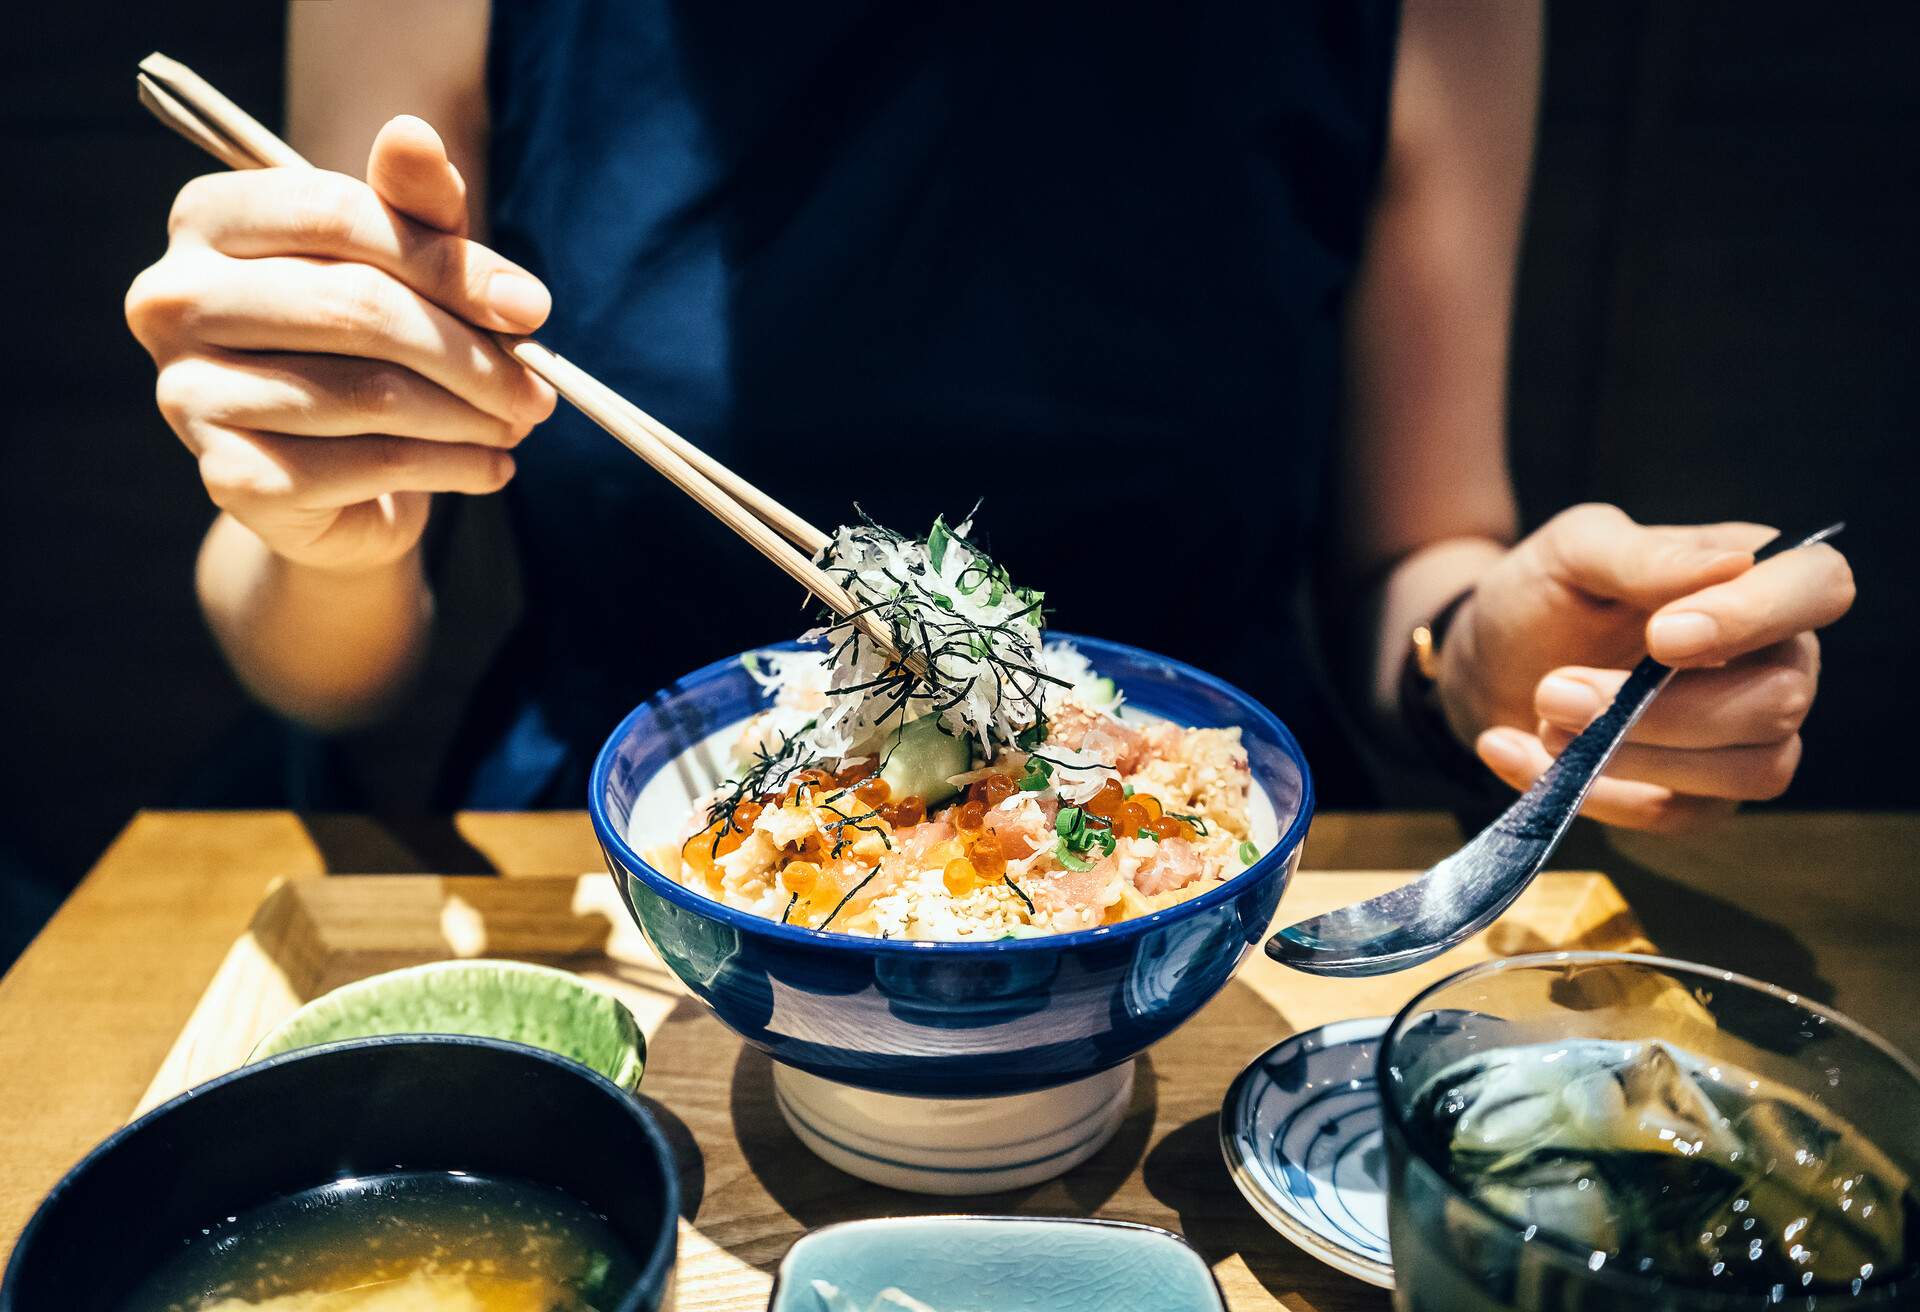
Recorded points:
1503,748
519,299
1684,633
1565,701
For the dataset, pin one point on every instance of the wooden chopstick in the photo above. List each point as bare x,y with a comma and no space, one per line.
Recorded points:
164,107
191,106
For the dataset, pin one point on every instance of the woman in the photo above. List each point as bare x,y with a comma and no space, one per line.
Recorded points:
1198,303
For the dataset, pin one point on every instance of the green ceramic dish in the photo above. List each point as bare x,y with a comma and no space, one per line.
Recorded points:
511,1000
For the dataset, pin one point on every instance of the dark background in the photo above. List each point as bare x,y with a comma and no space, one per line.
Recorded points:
1714,321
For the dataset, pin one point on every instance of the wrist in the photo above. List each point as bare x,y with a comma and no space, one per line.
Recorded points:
1458,696
1425,715
327,647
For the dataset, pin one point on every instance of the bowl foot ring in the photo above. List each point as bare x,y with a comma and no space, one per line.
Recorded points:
932,1145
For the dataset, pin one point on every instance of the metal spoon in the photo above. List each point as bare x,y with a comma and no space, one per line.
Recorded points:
1466,892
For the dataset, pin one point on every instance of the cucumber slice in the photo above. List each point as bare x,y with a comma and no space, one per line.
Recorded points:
920,760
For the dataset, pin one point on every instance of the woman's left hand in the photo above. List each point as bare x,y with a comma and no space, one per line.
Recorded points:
1553,627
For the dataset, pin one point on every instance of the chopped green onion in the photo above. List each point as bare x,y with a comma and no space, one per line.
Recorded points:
1148,833
1068,859
937,541
1126,790
1069,821
1037,775
1248,853
1032,736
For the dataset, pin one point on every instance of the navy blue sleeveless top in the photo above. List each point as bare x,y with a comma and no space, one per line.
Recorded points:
1084,261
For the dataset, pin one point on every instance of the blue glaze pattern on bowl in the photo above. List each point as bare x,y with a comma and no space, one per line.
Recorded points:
998,1264
952,1018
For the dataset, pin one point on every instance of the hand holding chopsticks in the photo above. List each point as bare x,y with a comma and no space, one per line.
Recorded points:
193,108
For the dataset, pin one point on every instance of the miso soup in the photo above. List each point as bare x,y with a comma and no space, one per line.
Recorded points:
425,1241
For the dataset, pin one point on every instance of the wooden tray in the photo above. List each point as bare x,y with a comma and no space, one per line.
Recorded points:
750,1187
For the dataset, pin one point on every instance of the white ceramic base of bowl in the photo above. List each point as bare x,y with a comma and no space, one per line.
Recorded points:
954,1145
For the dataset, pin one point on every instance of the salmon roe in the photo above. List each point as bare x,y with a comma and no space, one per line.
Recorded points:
960,877
985,855
1167,827
907,811
1107,802
801,877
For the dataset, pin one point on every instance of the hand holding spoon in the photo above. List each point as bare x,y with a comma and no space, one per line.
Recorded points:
1466,892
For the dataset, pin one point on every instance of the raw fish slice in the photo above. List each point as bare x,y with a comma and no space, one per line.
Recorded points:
1174,864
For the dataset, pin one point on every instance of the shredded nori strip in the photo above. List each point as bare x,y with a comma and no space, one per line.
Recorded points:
849,897
1017,889
921,622
770,773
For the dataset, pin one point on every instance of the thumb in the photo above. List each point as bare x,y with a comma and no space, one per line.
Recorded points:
408,168
1603,553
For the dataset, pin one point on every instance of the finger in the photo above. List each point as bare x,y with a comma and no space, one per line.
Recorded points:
296,304
1742,774
322,396
409,168
1760,698
246,472
1600,551
1807,588
1519,758
331,216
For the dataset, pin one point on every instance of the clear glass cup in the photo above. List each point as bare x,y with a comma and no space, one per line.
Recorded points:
1453,1253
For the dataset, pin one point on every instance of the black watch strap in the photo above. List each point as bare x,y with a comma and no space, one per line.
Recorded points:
1420,711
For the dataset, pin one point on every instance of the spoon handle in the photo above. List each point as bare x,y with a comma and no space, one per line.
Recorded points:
1549,806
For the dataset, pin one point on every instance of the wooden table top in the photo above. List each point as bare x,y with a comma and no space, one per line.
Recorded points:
1818,902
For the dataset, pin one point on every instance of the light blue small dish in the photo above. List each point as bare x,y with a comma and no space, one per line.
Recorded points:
1300,1129
995,1264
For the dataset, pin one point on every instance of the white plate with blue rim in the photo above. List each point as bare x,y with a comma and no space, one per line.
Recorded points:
1301,1132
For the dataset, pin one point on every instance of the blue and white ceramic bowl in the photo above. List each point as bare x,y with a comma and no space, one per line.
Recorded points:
864,1032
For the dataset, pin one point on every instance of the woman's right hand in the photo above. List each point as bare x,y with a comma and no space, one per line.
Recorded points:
321,349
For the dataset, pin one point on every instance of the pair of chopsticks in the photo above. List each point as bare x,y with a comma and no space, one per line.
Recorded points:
191,106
